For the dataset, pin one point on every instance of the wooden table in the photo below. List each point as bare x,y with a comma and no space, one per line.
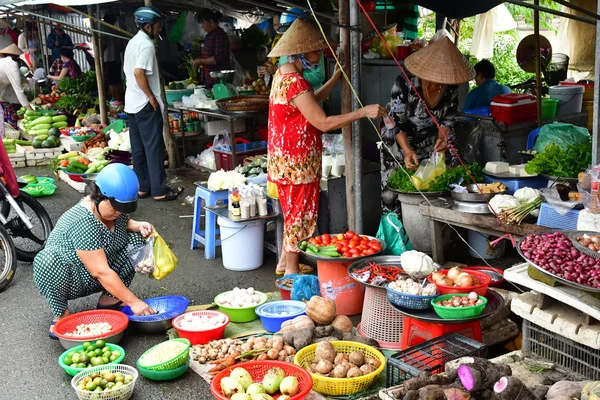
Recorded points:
440,213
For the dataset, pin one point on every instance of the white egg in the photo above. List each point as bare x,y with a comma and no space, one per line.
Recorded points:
248,298
239,303
256,298
247,304
229,297
243,291
236,289
221,318
251,290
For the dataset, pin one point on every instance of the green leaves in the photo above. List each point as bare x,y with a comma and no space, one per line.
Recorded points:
400,181
86,84
557,162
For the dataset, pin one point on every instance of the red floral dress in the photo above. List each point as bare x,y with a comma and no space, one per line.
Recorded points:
295,151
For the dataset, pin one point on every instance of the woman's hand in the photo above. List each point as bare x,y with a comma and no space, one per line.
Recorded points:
146,228
196,62
337,73
138,307
373,111
411,160
441,145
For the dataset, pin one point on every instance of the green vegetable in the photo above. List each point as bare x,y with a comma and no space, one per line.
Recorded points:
312,247
42,120
400,181
557,162
58,118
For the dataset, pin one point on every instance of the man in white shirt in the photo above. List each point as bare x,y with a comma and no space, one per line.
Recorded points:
143,104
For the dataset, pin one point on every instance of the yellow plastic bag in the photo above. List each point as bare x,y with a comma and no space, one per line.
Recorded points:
272,190
165,261
429,170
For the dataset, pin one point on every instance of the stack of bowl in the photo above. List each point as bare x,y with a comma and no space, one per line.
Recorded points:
178,362
166,307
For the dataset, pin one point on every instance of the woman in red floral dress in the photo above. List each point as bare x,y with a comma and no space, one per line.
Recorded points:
296,121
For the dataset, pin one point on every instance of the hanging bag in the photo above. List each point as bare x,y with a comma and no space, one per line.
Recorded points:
165,261
392,232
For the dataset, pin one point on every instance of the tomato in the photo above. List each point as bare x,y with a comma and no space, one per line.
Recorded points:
360,247
312,241
370,252
340,236
356,236
356,242
364,238
345,249
349,235
346,255
354,251
376,247
339,247
364,243
334,240
326,241
369,5
363,253
325,237
318,239
344,242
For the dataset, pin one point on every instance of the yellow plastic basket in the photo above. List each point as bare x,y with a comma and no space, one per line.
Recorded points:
341,386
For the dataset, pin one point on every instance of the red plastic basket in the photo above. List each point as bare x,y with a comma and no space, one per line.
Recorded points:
286,293
480,289
116,319
258,369
205,336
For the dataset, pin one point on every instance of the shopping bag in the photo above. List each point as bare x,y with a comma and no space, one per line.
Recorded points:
305,287
562,135
176,32
392,232
429,170
165,261
142,256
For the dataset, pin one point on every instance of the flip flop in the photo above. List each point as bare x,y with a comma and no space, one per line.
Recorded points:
118,306
172,194
279,273
51,335
306,269
144,196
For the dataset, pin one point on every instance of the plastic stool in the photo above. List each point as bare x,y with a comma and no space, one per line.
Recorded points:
416,331
533,135
208,236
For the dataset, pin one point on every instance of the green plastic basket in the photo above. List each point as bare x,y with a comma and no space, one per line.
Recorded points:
117,126
31,189
74,371
457,312
163,375
44,180
174,363
83,138
247,314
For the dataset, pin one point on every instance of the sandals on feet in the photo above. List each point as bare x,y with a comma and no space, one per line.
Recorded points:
118,306
51,334
172,194
144,196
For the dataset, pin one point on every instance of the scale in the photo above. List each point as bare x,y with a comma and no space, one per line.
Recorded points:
223,90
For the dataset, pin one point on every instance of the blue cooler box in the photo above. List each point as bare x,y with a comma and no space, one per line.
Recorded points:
512,185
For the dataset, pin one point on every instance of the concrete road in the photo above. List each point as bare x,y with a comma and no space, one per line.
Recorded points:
29,367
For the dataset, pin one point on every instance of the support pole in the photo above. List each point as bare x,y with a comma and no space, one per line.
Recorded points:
169,142
116,28
357,142
100,41
538,64
346,94
595,144
43,49
99,77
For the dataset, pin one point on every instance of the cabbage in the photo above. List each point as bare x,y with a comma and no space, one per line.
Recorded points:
418,265
526,194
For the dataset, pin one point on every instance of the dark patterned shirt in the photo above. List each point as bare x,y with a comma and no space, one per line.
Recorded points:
216,44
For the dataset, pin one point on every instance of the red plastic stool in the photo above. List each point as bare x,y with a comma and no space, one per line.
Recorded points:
416,331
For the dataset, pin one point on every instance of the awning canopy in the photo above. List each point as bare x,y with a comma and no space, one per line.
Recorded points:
70,3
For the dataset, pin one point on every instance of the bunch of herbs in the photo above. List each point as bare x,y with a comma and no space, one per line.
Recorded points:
562,163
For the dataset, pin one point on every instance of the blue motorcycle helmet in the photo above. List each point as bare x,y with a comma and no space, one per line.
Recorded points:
120,185
286,19
147,15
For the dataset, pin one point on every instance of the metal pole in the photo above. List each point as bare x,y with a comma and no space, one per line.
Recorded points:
553,12
346,100
116,28
99,77
357,142
577,8
538,65
595,145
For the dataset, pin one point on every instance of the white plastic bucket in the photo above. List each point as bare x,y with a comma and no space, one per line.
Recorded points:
481,243
570,99
242,244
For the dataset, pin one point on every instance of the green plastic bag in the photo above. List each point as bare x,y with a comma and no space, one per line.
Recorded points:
392,232
176,32
563,135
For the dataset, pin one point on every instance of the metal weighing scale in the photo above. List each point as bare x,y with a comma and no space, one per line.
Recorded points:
223,90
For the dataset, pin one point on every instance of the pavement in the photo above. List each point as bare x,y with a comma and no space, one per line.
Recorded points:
30,369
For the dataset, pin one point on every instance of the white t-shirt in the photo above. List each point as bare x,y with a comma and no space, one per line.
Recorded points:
11,85
140,53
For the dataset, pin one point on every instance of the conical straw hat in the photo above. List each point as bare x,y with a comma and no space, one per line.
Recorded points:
440,62
12,49
302,37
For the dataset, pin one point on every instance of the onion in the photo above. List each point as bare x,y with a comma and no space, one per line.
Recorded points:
466,281
454,272
436,276
444,281
473,296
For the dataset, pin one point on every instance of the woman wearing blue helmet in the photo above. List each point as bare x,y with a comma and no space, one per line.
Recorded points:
86,251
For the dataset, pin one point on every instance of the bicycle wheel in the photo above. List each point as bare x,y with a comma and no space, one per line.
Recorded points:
27,242
8,258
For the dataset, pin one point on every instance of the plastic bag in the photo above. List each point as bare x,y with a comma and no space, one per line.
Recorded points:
429,170
272,190
142,256
338,165
305,287
221,139
165,261
207,159
192,29
176,32
392,232
552,197
563,135
333,144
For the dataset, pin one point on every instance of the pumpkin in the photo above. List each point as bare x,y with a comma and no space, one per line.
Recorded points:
591,391
342,323
300,322
320,310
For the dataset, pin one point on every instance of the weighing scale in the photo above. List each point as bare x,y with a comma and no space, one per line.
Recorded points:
223,90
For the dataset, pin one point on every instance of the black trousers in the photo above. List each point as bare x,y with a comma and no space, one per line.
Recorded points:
148,150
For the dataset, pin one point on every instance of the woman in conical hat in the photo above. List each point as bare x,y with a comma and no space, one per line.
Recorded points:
296,121
12,95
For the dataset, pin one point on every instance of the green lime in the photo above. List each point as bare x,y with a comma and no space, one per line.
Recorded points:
98,389
110,385
98,352
76,358
91,348
71,354
96,361
118,385
119,379
67,360
105,349
81,365
86,345
73,365
113,358
105,360
90,354
84,358
97,380
100,343
116,353
107,354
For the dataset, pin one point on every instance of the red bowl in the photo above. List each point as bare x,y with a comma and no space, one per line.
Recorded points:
203,336
258,369
481,289
286,293
116,319
482,268
74,177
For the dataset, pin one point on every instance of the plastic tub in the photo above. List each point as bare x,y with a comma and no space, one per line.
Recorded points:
286,293
74,371
163,375
269,317
549,108
175,362
242,314
570,99
480,289
457,312
410,301
588,94
242,244
481,243
177,95
201,336
123,393
116,319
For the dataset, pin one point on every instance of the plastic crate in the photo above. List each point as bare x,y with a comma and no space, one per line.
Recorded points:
430,356
512,185
550,218
563,352
224,158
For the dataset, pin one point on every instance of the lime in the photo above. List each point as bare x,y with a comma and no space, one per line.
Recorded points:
90,354
105,360
116,353
91,348
113,358
98,352
71,354
67,360
96,361
90,386
105,349
73,365
86,345
118,385
98,389
110,385
103,383
100,343
107,354
84,358
97,380
81,365
119,379
76,358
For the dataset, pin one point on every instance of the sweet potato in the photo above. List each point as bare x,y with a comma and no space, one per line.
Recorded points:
511,388
482,374
431,392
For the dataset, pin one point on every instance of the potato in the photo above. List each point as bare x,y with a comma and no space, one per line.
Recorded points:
366,369
340,358
282,355
273,354
313,368
325,351
373,362
341,370
289,350
354,372
324,367
262,356
357,358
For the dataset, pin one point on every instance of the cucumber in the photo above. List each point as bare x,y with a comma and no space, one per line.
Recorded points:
58,118
42,120
77,164
309,251
23,142
42,126
34,131
60,124
325,249
312,247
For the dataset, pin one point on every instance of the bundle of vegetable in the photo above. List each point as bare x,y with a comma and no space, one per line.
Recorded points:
555,253
257,167
375,274
516,215
557,162
239,385
401,182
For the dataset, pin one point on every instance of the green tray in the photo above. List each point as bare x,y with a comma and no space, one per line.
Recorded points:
48,189
44,180
83,138
163,375
174,363
457,312
74,371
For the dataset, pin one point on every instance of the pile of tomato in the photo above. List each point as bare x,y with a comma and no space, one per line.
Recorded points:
348,244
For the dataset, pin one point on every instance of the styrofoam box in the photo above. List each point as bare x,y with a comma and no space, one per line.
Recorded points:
70,144
36,157
79,186
213,127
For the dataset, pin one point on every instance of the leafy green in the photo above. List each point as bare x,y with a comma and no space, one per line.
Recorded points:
557,162
85,84
74,102
400,181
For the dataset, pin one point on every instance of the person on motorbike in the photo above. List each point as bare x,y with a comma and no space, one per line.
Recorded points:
86,253
487,87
